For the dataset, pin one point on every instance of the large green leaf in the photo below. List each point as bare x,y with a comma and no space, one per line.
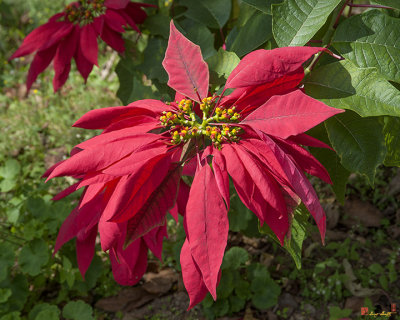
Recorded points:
342,85
256,31
153,56
33,256
391,131
262,5
359,142
212,13
371,39
295,22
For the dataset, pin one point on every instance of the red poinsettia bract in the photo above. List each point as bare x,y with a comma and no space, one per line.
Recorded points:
132,172
73,33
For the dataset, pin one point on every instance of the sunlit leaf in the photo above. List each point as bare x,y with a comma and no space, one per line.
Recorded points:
371,39
295,22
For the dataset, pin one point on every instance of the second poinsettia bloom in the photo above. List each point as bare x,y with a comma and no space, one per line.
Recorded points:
73,34
133,172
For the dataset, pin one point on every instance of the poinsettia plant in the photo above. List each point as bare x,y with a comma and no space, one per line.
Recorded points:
72,34
132,173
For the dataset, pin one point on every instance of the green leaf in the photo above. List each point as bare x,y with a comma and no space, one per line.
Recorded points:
359,142
391,131
66,273
44,311
158,24
259,26
199,34
295,22
389,3
266,291
5,293
330,160
371,39
226,284
242,289
33,257
10,169
234,258
212,13
294,244
376,268
262,5
16,315
343,85
236,303
7,258
223,63
19,287
153,57
130,88
336,313
78,310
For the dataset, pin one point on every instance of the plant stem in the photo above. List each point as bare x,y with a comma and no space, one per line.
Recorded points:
351,5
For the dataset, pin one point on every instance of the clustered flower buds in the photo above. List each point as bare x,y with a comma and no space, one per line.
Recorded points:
84,11
184,124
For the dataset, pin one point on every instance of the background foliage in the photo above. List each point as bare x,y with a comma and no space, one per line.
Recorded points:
257,274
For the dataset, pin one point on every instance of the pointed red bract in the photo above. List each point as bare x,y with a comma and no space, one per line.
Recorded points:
187,71
267,66
207,226
289,115
192,277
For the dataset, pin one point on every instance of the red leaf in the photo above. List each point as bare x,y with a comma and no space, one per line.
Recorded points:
289,114
115,21
245,188
152,213
88,43
133,191
113,39
39,64
187,71
129,265
154,240
84,66
191,275
207,226
66,192
85,249
299,183
275,213
62,60
116,4
267,66
308,141
36,39
95,159
221,175
304,159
